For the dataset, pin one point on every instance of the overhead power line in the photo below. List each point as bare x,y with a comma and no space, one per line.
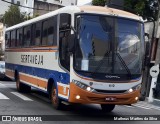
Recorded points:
23,6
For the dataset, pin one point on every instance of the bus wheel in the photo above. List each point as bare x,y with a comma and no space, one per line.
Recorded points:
56,102
22,87
18,84
107,107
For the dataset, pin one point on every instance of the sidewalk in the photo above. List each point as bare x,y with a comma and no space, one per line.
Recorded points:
148,105
155,102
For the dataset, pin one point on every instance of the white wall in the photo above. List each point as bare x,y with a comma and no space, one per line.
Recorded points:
76,2
84,2
68,2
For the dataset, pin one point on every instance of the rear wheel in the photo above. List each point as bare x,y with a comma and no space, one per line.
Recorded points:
22,87
107,107
56,102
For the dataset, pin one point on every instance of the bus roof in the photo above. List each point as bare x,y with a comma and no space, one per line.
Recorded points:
76,9
110,11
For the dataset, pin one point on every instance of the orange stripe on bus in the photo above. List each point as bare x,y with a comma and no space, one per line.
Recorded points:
34,81
9,73
61,90
31,50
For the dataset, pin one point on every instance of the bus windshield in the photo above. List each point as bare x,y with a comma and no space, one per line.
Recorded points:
109,45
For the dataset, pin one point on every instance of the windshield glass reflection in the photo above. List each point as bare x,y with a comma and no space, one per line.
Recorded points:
108,45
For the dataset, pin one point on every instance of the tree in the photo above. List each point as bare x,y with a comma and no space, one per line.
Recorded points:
13,16
99,2
145,8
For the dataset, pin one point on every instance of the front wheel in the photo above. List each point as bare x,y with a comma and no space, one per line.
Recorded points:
56,102
107,107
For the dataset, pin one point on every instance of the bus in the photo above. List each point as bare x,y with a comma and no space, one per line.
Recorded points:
86,55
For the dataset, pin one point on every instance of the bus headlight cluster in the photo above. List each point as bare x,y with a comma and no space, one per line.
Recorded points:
83,86
137,87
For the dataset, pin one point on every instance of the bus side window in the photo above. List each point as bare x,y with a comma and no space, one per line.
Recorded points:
7,39
44,33
19,37
27,36
13,38
36,28
48,32
50,35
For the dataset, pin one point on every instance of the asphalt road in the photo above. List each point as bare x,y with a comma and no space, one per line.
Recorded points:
37,104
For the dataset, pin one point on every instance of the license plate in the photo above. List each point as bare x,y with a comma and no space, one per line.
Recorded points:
110,99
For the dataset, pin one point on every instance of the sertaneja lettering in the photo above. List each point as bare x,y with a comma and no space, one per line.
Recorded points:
32,59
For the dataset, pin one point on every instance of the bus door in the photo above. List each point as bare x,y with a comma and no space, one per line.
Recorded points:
64,37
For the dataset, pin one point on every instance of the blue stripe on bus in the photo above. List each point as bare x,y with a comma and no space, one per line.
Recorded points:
40,72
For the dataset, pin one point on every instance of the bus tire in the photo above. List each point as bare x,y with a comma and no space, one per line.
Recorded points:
22,87
107,107
56,102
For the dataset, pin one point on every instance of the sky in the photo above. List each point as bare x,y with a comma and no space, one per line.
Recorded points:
3,6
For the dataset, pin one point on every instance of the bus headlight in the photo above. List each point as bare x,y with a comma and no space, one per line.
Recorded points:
137,87
83,86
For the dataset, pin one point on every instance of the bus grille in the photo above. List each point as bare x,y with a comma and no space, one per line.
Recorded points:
108,91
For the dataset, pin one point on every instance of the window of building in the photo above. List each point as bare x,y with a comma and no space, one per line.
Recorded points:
27,36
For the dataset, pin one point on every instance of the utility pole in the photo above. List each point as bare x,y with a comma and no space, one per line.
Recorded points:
155,68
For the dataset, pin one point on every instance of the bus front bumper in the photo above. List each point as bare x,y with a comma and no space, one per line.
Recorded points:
78,95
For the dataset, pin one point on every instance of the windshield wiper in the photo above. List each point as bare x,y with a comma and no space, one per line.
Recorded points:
124,64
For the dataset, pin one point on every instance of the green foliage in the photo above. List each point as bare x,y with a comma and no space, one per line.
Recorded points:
99,2
13,16
142,8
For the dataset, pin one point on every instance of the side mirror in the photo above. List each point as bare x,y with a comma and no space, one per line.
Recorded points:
65,21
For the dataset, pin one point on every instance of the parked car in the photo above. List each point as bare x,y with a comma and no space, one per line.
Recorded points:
2,69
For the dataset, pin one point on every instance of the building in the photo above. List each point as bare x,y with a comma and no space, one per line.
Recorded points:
41,7
2,41
37,7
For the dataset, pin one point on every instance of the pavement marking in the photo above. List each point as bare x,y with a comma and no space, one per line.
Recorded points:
2,85
3,96
129,106
144,107
149,106
22,96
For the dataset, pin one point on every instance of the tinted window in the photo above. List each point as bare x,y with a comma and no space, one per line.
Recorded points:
27,36
7,39
19,37
36,28
48,32
13,38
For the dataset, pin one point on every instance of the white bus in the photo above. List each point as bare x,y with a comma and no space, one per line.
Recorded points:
76,54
